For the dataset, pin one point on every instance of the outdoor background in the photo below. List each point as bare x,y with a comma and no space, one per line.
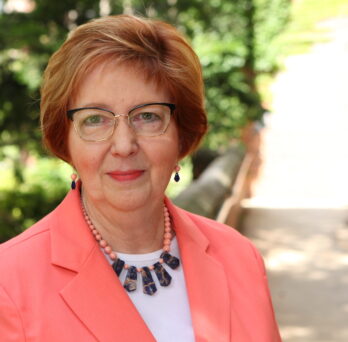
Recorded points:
237,42
279,64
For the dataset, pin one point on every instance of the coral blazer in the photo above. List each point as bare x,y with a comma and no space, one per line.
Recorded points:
56,284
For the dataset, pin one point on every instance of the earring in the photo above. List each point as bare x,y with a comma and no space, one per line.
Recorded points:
177,176
73,180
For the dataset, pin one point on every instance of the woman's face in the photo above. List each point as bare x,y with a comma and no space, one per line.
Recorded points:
126,171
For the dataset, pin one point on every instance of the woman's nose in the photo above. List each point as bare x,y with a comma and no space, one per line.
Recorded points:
124,140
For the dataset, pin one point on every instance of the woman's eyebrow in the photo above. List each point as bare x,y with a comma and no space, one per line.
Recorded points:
102,105
94,104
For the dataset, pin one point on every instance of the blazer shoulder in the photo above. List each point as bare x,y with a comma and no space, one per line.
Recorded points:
21,242
216,230
226,241
23,256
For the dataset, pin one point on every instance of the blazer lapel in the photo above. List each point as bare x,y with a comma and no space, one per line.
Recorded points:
95,293
206,281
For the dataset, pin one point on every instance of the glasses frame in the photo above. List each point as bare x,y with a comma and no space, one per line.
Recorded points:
70,114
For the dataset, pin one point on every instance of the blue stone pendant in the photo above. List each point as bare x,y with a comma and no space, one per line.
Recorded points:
149,286
163,276
130,283
172,261
73,185
118,266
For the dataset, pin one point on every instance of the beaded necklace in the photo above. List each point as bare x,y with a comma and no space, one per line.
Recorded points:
118,265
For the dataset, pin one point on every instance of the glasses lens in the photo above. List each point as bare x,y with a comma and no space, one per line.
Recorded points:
150,120
94,124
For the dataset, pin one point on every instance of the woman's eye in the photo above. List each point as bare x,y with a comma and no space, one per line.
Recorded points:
146,117
94,120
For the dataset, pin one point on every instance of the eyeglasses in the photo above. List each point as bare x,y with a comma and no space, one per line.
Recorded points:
98,124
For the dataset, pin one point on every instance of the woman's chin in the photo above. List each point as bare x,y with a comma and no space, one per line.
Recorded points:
129,199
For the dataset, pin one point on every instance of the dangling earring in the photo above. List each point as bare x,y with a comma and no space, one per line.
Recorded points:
73,181
176,176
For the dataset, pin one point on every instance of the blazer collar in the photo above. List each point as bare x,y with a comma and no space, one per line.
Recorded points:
71,241
206,281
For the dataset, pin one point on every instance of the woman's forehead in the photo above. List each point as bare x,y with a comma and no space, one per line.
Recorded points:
146,70
112,83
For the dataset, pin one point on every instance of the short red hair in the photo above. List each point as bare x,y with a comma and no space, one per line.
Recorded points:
157,48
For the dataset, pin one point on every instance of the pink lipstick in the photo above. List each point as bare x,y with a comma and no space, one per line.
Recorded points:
123,176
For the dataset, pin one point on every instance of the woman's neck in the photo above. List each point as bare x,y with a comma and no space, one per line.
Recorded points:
133,232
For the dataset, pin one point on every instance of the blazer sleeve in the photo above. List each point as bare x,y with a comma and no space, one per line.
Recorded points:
11,325
276,334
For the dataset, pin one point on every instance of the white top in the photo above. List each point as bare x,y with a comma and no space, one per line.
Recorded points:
167,312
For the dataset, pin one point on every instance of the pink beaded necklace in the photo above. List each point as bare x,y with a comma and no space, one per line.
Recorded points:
130,283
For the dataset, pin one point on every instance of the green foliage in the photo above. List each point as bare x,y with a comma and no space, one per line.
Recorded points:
44,183
271,19
232,38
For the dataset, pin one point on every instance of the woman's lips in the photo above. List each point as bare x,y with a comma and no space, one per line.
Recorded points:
123,176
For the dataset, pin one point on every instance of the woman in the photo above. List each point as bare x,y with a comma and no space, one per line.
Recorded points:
122,102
